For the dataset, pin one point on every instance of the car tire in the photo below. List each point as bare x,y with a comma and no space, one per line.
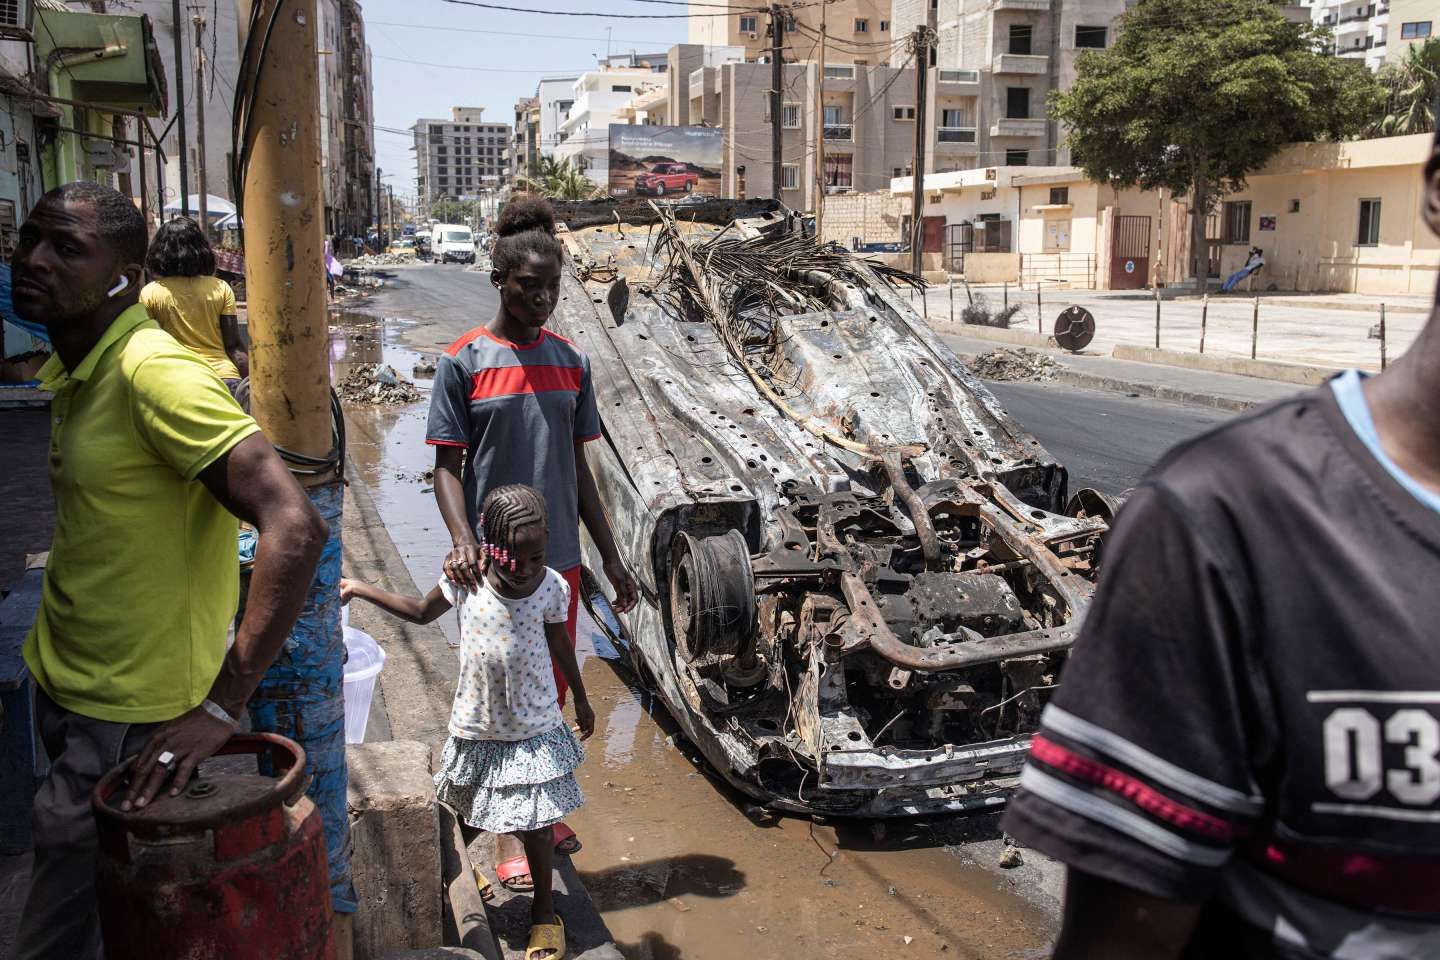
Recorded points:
659,189
689,186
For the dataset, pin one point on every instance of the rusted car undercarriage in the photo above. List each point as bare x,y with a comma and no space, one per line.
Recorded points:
859,576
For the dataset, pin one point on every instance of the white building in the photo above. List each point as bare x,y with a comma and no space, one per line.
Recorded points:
583,137
1361,27
556,97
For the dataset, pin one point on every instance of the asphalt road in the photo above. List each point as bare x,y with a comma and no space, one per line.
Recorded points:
1106,440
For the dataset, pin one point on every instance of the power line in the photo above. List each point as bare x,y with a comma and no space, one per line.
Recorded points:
456,66
498,33
609,16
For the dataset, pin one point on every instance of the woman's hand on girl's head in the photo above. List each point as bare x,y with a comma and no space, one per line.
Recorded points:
465,565
584,718
626,593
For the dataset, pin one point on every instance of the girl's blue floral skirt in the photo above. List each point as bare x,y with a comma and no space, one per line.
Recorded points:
505,786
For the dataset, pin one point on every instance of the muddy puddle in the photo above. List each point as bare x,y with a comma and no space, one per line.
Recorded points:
680,865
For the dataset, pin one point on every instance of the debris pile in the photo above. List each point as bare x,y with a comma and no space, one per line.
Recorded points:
1007,363
424,367
377,383
379,259
979,312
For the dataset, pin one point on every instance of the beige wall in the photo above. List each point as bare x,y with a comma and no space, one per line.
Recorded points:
1409,11
840,16
873,217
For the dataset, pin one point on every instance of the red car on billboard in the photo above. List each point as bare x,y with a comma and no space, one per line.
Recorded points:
666,178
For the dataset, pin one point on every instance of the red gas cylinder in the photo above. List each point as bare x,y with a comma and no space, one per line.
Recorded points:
232,869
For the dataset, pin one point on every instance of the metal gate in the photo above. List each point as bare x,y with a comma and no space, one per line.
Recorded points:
1130,253
959,240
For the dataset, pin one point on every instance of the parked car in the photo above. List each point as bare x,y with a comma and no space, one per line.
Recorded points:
666,178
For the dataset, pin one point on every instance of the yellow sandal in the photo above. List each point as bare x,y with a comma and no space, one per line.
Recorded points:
547,936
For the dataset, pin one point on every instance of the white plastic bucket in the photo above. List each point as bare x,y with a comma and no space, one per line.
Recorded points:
362,667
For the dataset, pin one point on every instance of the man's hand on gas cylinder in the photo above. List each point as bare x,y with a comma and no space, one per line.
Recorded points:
189,739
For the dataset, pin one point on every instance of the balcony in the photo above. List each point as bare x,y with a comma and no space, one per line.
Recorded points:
697,77
957,81
1016,127
955,134
840,132
1359,16
1023,6
1031,64
840,71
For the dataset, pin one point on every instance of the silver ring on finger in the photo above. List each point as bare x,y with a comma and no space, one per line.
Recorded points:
166,760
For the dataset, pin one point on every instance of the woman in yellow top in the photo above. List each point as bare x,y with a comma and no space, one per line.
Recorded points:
190,303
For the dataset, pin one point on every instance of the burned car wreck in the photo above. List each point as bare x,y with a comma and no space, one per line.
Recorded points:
859,577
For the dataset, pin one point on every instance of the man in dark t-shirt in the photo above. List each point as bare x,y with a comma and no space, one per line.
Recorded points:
1243,758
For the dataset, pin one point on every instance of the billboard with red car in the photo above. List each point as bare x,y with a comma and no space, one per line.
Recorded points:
664,162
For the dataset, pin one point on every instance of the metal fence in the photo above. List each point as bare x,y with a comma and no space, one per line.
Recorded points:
1076,269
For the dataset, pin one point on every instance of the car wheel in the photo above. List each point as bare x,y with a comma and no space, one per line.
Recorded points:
659,189
689,186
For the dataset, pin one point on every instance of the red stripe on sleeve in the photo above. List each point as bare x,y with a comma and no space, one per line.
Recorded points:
1136,791
447,443
455,348
511,381
1407,884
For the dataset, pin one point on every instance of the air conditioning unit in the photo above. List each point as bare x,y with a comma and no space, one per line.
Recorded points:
753,35
17,18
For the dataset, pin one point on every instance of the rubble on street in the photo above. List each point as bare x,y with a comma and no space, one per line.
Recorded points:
1014,363
377,383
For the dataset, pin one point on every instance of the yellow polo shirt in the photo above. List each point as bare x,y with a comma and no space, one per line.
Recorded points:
189,309
143,578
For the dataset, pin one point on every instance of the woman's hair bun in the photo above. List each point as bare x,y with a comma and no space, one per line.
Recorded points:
526,213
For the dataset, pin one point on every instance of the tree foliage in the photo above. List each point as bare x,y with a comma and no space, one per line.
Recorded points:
1410,88
453,211
558,180
1195,94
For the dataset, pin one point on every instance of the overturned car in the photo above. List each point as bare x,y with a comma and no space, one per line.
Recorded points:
859,577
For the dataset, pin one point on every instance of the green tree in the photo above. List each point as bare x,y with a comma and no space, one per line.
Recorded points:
558,180
1410,87
453,211
1195,94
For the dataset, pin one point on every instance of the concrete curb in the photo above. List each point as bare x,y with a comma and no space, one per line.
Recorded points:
1011,336
1305,376
1089,381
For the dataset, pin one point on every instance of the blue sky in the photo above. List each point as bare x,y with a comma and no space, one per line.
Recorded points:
486,63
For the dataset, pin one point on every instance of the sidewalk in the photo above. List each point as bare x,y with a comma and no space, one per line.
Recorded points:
1093,371
1324,330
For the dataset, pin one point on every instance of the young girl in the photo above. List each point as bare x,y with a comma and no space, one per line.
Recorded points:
509,762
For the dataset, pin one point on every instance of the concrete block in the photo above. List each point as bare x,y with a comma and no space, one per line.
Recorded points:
394,826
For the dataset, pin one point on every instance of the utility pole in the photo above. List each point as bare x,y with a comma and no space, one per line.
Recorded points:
921,43
177,30
379,211
201,183
820,131
777,105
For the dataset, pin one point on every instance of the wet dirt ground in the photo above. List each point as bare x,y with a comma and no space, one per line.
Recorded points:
681,865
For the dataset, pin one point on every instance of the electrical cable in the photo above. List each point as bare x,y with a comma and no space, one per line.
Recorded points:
608,16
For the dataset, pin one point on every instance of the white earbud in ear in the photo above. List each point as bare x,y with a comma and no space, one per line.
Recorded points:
119,287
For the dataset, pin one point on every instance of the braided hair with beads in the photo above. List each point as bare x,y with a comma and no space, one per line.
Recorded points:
505,510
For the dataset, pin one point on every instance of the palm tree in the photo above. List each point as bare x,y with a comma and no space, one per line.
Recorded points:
558,180
1410,89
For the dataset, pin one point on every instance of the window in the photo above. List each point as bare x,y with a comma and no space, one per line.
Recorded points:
1090,36
838,168
1237,222
895,172
884,26
1059,196
1020,38
1017,103
749,25
952,117
903,113
862,25
790,177
1017,158
833,116
1415,31
790,116
1369,224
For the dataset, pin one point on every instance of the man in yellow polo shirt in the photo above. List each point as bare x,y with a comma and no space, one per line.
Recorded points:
151,461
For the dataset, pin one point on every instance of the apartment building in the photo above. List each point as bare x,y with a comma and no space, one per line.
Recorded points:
1361,28
460,157
860,30
556,96
583,137
867,120
525,143
997,61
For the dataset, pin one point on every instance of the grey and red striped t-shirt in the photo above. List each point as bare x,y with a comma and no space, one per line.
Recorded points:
518,409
